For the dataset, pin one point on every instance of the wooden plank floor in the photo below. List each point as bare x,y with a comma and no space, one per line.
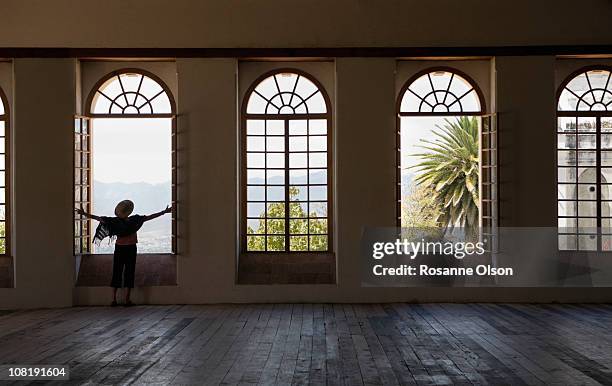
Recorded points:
331,344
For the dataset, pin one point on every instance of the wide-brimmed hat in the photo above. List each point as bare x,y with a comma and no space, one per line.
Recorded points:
124,208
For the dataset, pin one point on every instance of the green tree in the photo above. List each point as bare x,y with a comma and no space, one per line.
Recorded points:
2,238
298,225
420,208
450,168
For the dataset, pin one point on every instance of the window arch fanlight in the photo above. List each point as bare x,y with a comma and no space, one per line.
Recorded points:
441,91
131,92
286,153
588,90
584,160
4,176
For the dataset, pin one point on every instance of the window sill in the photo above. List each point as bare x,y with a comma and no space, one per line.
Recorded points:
286,268
152,269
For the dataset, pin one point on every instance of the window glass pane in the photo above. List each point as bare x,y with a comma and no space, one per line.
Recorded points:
256,243
256,177
587,158
317,143
586,124
317,176
567,208
275,177
318,209
566,191
606,141
587,225
587,242
587,141
256,209
298,193
318,226
318,193
256,143
276,210
567,242
276,193
587,192
606,175
566,141
256,127
298,143
276,226
317,160
317,126
276,243
256,160
275,127
587,175
275,143
587,208
256,193
298,177
567,225
318,243
298,243
298,160
255,226
298,226
298,209
275,160
298,127
606,208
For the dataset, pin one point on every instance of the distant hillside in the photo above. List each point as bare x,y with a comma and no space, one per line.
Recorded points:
154,236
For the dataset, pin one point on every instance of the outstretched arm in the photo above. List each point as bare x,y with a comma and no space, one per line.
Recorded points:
82,212
158,214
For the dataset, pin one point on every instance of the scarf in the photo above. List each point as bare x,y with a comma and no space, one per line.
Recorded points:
112,227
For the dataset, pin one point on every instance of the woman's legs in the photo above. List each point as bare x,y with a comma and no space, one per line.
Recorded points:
130,270
118,265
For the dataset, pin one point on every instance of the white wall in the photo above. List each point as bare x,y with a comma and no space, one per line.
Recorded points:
44,97
364,92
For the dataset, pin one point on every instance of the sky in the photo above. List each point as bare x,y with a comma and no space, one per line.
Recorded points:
132,150
413,130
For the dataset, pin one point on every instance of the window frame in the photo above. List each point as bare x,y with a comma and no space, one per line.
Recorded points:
244,118
597,115
89,115
6,118
398,139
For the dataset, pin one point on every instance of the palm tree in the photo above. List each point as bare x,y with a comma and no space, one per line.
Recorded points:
450,169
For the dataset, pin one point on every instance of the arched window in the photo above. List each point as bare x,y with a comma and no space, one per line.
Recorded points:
125,148
445,178
286,123
441,92
4,176
584,160
131,92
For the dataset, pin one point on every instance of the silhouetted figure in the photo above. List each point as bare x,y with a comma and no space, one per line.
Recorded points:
123,228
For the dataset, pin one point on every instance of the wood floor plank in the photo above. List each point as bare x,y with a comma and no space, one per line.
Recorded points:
318,344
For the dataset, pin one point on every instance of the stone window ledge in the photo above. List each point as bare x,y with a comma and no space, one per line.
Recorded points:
158,269
287,268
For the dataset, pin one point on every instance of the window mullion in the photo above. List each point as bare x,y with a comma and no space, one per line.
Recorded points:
598,179
287,198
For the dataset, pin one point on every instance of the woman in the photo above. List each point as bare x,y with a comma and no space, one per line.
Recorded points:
123,228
